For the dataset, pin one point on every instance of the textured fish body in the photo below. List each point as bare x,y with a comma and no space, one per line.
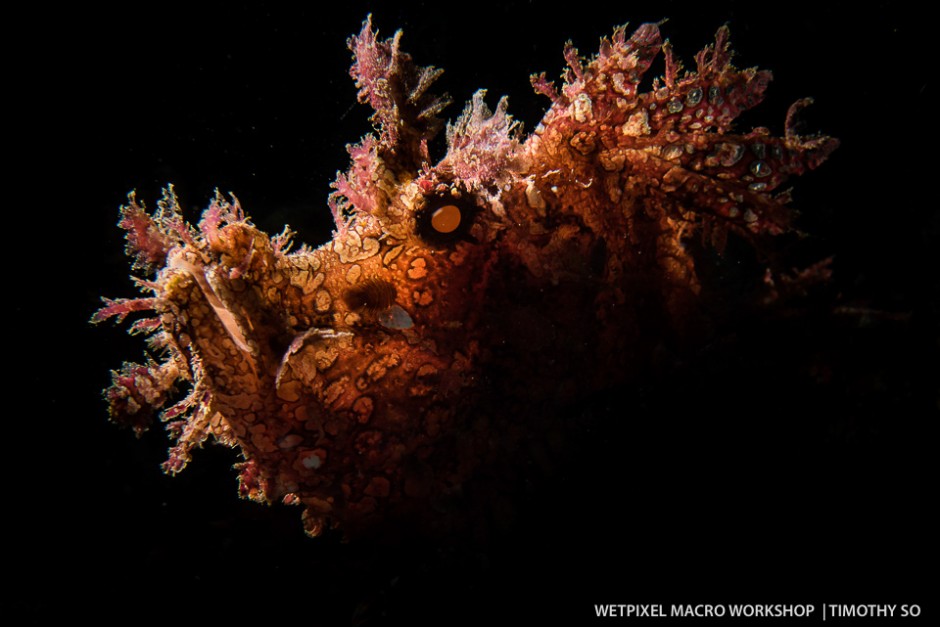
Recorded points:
462,305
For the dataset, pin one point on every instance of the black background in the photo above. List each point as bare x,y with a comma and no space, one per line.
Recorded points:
792,463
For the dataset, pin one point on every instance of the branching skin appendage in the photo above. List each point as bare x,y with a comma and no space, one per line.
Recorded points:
462,302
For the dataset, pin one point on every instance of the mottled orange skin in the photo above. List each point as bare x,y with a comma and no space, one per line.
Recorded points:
574,267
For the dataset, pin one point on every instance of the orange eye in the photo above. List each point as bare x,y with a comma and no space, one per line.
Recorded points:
446,219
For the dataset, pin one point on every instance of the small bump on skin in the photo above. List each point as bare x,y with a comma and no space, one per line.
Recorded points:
310,460
363,409
730,154
672,153
289,441
323,301
392,254
760,169
583,109
534,197
637,124
714,95
423,298
418,269
318,280
334,390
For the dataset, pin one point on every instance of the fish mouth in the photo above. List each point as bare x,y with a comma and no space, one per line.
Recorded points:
210,285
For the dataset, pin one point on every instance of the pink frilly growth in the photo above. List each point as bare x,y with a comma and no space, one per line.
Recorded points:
251,482
356,190
405,115
219,213
119,308
147,239
702,163
138,391
141,392
397,89
481,144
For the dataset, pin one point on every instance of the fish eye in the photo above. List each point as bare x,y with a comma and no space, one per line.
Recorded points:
445,219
